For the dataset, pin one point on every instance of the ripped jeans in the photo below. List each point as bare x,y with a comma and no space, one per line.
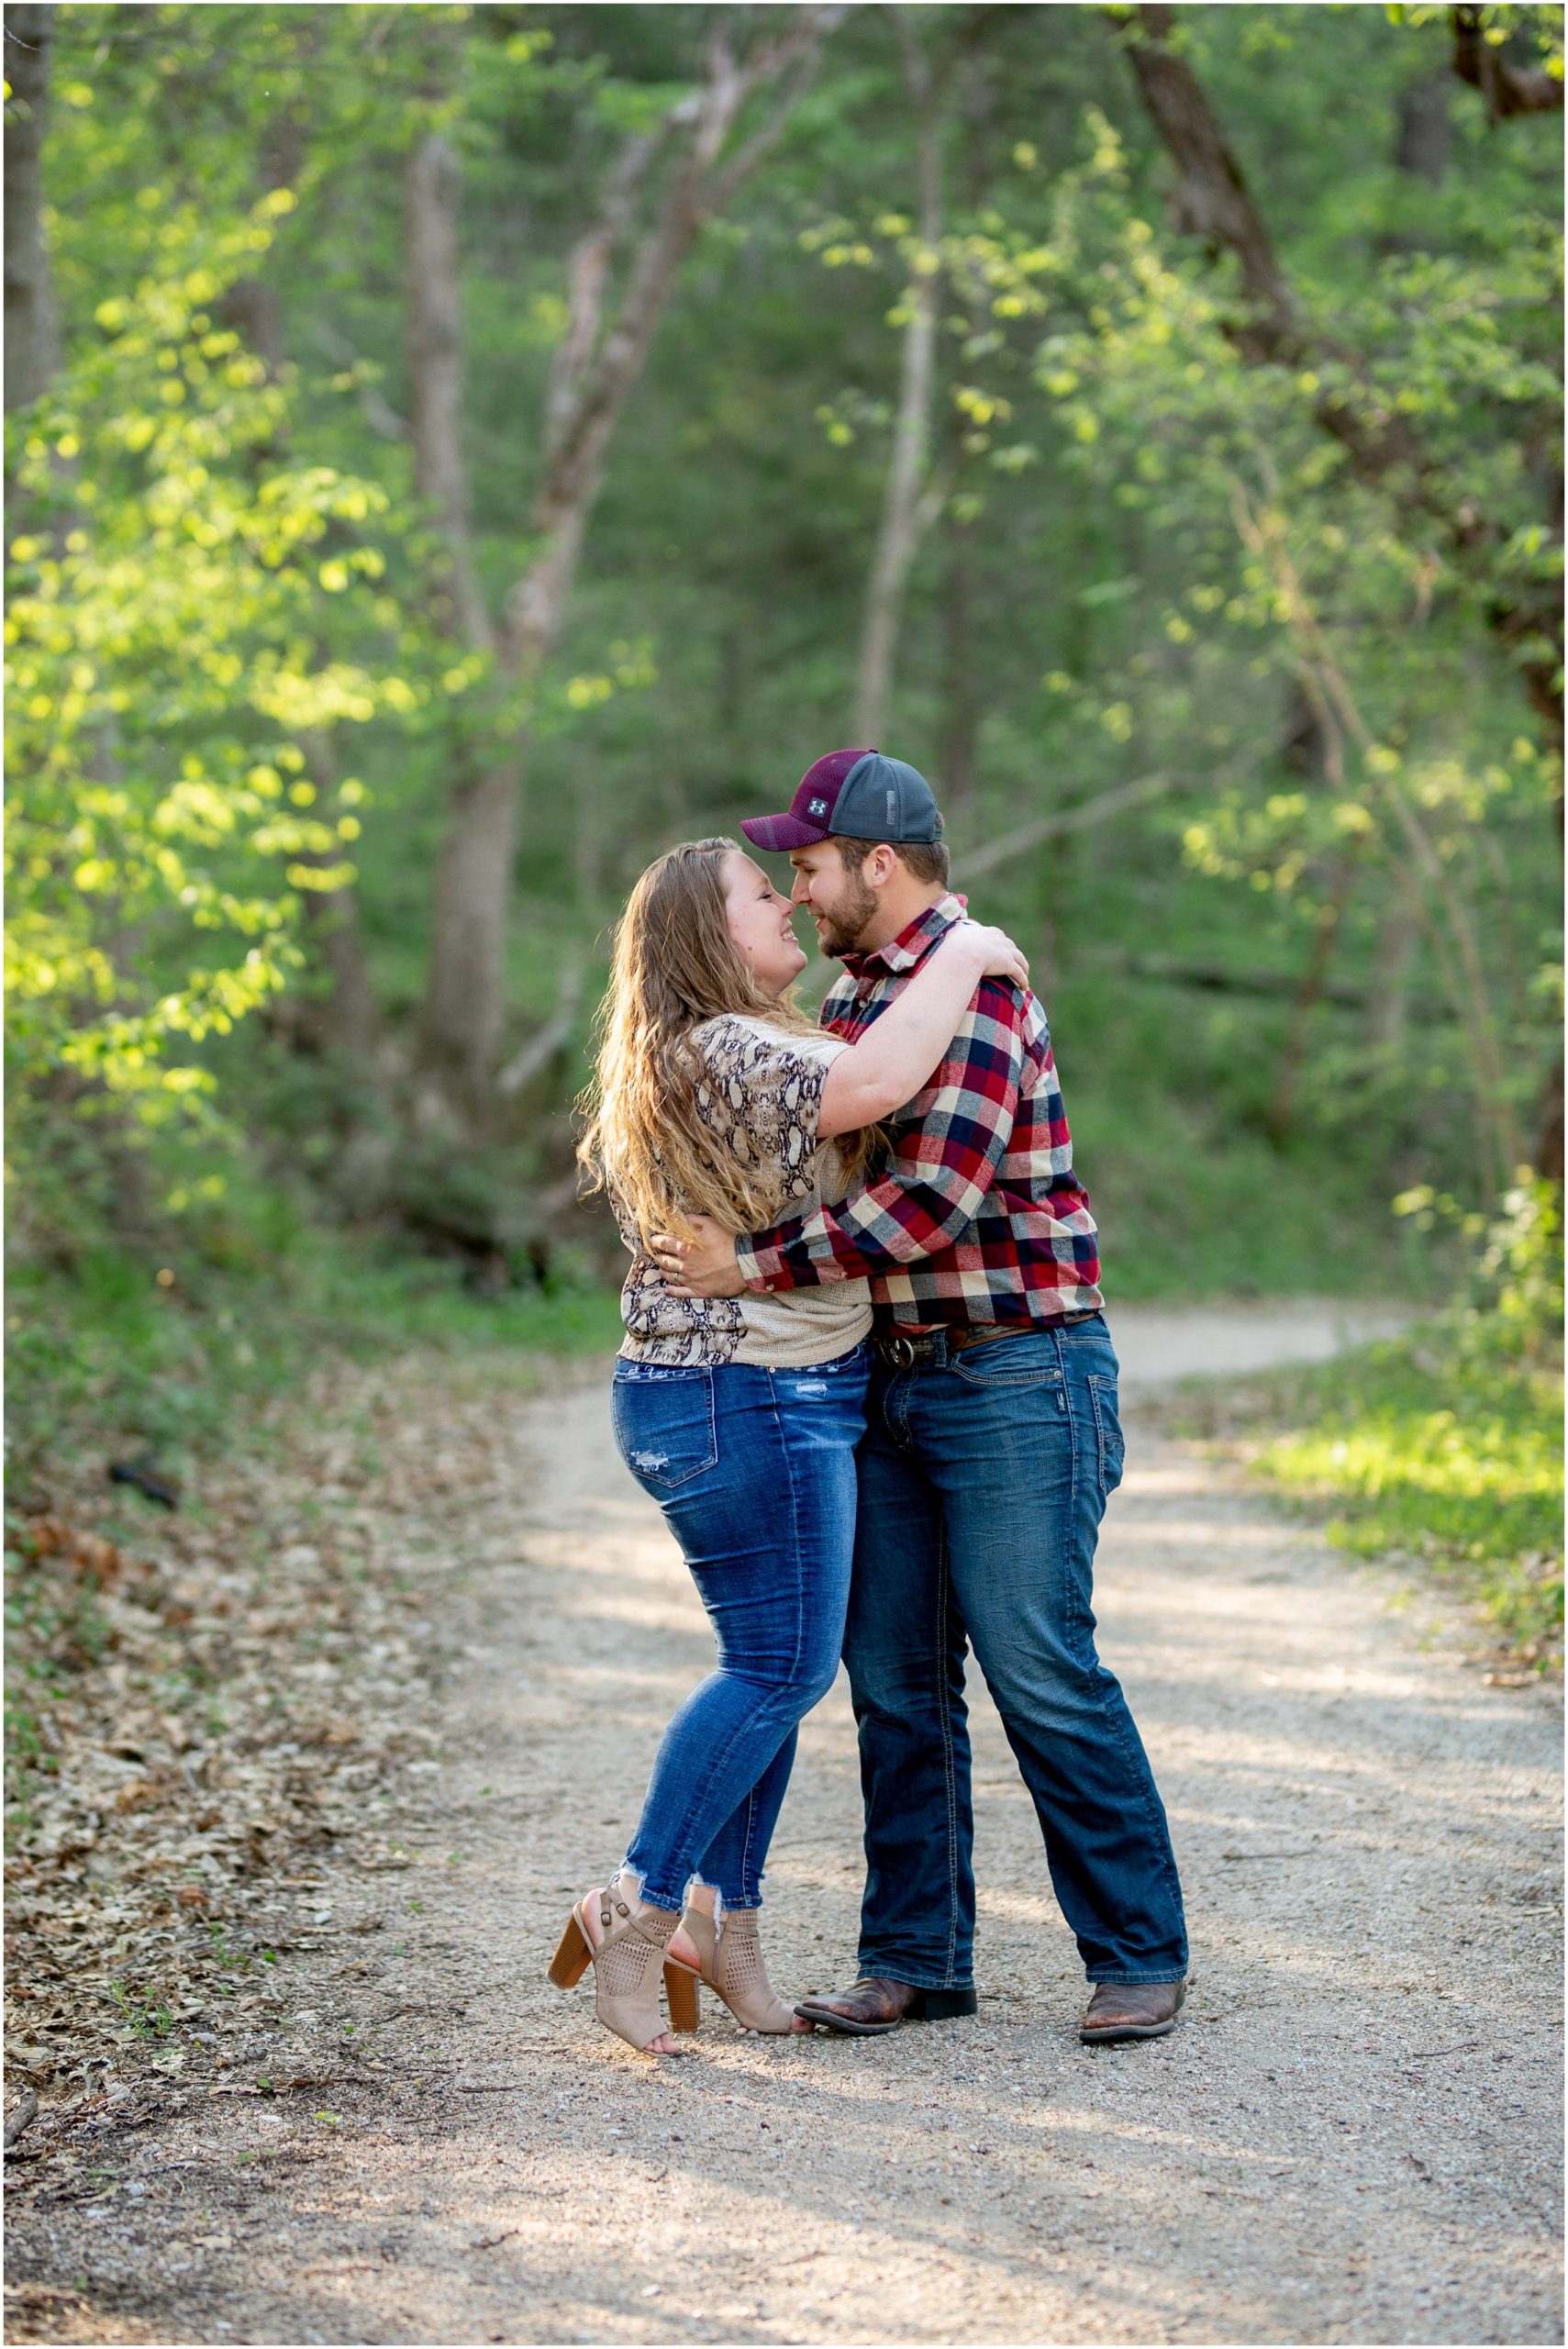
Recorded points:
754,1470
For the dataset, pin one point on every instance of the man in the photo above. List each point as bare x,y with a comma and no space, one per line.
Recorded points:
993,1446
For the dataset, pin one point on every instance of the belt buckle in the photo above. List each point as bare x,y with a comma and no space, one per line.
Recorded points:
901,1352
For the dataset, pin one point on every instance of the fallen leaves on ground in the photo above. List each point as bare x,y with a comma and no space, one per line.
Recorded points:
203,1709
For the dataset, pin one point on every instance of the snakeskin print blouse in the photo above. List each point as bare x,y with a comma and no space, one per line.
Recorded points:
760,1098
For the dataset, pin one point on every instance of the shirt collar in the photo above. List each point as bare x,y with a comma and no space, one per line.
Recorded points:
913,943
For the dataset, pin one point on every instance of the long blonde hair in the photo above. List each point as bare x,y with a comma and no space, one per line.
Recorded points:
675,965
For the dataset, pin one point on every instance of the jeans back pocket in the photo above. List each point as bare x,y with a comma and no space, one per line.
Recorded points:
664,1423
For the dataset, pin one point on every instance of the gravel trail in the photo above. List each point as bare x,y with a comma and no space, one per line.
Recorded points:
1352,2137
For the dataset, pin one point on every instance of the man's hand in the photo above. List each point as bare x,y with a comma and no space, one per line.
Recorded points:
704,1266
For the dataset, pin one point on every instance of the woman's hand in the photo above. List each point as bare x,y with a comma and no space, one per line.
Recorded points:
704,1266
997,956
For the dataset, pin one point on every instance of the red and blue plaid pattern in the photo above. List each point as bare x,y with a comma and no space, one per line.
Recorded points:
978,1216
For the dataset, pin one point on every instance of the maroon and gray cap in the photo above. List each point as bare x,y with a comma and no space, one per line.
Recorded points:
859,795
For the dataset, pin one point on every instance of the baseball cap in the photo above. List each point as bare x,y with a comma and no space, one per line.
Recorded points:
859,795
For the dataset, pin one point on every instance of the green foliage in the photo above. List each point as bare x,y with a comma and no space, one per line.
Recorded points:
1447,1457
145,2017
1315,971
170,599
187,1358
1446,1446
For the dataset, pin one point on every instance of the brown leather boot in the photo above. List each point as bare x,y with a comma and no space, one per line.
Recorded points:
1132,2010
873,2005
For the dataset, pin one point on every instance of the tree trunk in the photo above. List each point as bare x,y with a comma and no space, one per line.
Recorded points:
906,507
596,367
1421,142
958,739
958,743
1310,748
465,1001
252,305
32,321
434,189
1388,996
1548,1150
346,1019
1211,198
1506,88
1279,1118
465,993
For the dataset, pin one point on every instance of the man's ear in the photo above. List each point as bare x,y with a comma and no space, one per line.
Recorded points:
879,865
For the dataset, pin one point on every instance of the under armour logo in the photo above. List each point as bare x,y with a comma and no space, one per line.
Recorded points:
818,808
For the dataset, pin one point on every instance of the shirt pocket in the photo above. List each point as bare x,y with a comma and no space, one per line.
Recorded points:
664,1424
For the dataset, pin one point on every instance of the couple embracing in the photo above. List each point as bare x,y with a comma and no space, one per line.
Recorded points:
867,1378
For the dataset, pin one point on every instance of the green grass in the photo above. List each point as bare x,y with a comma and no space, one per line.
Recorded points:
1184,1215
181,1356
1434,1449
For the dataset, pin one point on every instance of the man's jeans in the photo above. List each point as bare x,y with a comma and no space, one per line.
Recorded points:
982,1480
754,1470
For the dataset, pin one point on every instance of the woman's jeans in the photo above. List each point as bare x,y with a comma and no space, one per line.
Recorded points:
983,1481
754,1470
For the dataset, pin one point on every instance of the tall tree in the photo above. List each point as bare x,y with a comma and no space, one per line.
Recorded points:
665,185
912,499
32,324
1212,200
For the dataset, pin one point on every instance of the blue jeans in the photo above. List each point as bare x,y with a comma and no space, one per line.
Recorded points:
754,1470
983,1481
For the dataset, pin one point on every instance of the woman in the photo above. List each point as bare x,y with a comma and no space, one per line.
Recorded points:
739,1415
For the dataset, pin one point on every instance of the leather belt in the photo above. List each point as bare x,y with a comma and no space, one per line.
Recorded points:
909,1352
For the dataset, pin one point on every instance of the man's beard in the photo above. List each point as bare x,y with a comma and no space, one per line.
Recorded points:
855,912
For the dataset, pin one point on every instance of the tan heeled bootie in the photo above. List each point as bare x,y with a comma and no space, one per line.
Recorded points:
626,1964
730,1955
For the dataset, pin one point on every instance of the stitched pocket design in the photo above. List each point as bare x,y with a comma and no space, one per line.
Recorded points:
664,1425
1026,1360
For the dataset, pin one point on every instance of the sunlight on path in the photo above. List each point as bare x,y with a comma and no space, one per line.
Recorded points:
1157,1346
1351,2138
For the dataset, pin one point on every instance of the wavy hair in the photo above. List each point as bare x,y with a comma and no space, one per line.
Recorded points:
675,965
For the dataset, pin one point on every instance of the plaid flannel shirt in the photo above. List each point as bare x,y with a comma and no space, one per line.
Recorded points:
978,1216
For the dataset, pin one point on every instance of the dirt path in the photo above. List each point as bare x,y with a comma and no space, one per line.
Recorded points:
1353,2136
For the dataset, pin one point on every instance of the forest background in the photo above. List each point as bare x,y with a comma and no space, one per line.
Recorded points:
454,451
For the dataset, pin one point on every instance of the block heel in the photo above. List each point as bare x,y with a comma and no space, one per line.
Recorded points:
683,1996
572,1957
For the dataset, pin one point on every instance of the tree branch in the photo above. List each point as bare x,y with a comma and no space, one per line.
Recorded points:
547,1041
1212,199
1219,978
587,276
32,322
597,368
1507,89
1067,819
